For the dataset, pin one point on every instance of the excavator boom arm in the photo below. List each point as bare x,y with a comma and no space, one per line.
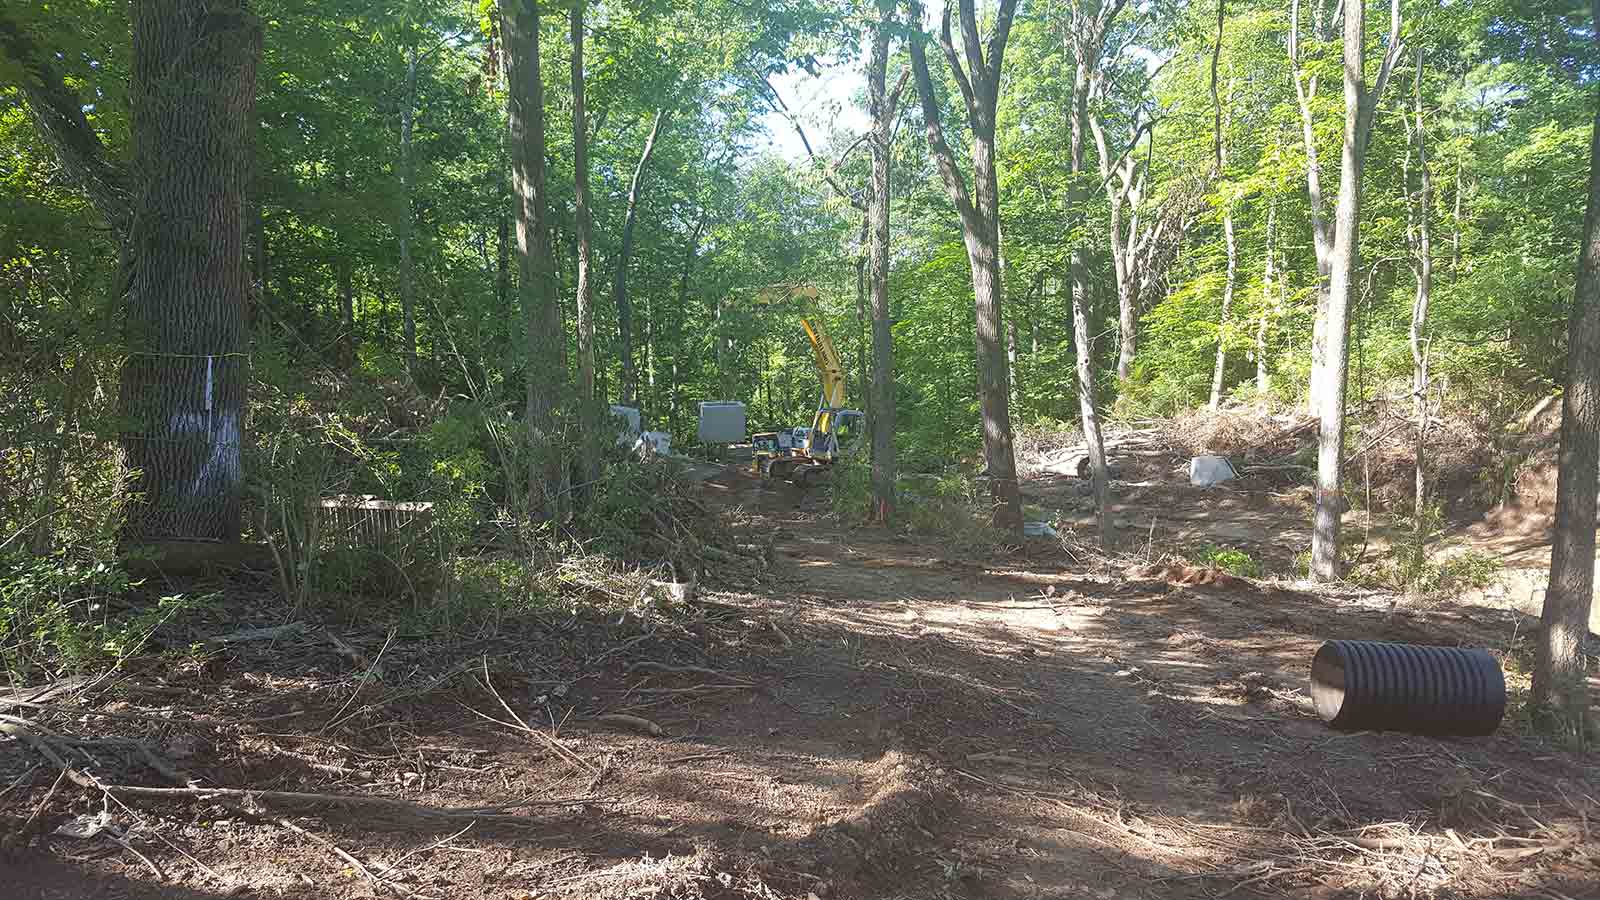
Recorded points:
829,367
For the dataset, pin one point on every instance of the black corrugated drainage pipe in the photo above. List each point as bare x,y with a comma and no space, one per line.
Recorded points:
1378,686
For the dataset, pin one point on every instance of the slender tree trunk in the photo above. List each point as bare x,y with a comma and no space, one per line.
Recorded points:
544,372
1322,230
1088,407
1419,310
580,163
408,286
1455,224
183,386
1268,274
691,247
1221,364
619,290
1560,671
882,108
863,336
258,263
1331,376
502,271
347,312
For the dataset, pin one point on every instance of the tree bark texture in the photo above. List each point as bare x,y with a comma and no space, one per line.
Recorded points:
1559,681
584,215
544,372
882,405
619,289
979,211
1331,375
183,385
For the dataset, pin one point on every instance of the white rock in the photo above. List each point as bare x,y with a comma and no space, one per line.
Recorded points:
1205,471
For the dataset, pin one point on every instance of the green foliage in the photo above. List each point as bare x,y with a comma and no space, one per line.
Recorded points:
1418,562
850,488
338,406
56,614
1229,559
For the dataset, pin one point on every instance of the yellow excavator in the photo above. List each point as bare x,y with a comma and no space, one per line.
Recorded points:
835,429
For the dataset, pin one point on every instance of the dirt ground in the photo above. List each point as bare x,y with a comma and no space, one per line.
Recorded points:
874,716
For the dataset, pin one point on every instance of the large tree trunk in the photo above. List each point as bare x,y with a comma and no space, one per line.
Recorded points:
1330,376
580,168
543,372
1559,675
980,226
619,289
882,404
408,286
183,386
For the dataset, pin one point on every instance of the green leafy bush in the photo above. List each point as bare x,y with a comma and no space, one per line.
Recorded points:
1229,559
56,614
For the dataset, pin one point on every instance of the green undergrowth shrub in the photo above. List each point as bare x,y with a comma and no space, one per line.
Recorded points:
950,504
1232,560
63,613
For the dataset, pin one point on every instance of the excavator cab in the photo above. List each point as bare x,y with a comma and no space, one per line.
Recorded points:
834,433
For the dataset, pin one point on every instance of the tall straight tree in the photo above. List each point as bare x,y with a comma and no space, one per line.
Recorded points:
543,372
882,104
1329,374
980,228
584,215
1220,150
1559,676
1421,214
1085,33
1306,81
619,287
183,385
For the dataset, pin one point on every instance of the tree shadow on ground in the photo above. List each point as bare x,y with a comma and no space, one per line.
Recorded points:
941,738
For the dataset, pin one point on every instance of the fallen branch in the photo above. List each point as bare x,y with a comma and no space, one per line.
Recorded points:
549,742
365,677
170,719
23,731
340,852
21,835
637,723
665,669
